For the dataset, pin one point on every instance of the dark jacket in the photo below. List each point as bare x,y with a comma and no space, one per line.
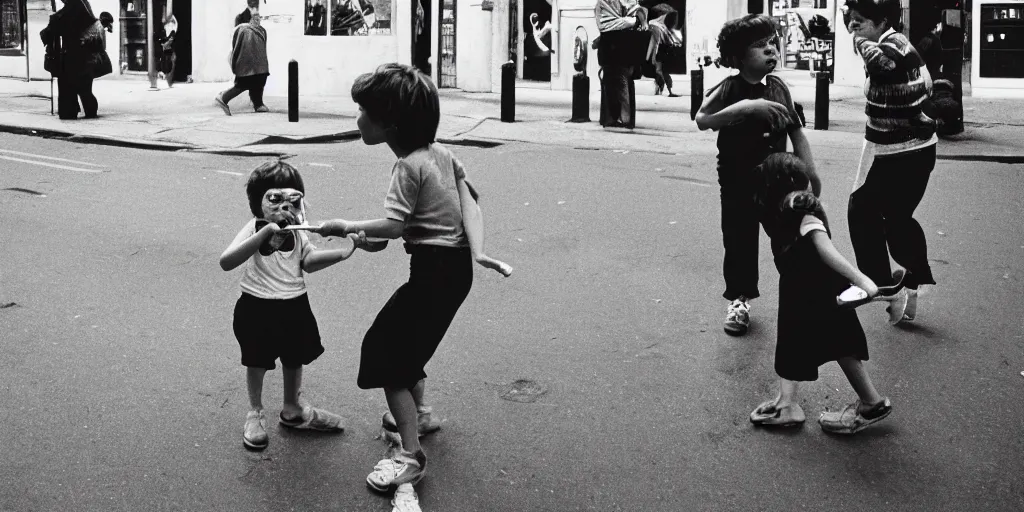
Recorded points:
82,42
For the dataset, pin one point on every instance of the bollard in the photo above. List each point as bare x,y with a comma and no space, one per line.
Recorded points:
821,101
508,92
293,91
580,98
696,91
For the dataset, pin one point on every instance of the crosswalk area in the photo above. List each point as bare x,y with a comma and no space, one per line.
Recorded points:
51,162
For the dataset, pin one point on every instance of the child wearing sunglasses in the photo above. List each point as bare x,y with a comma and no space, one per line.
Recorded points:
272,317
753,112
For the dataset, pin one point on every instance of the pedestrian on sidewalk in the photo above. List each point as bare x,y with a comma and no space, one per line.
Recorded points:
812,329
621,47
81,59
272,317
248,60
898,154
664,20
753,113
425,206
168,57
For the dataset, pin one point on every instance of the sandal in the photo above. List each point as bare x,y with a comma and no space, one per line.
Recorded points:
314,419
768,414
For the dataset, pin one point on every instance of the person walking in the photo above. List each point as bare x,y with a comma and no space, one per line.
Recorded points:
81,58
248,60
664,20
168,58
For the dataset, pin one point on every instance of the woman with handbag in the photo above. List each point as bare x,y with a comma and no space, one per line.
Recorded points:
77,48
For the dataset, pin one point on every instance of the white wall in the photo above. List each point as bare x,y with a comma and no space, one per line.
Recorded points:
849,68
569,21
990,87
473,46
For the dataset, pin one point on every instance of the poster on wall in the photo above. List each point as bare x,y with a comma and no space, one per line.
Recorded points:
348,17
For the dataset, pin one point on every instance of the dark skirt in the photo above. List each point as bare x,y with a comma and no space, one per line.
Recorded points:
410,326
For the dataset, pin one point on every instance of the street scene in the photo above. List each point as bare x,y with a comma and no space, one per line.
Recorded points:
598,375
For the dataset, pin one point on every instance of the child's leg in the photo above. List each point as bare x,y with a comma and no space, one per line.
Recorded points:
787,393
783,411
254,381
417,393
740,232
403,406
860,381
292,385
867,226
906,239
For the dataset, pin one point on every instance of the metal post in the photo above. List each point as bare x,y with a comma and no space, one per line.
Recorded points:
696,91
580,98
293,91
150,44
508,92
821,100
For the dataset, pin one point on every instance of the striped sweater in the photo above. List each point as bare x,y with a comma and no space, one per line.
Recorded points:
897,84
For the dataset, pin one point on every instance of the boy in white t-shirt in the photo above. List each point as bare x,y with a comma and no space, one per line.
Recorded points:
272,317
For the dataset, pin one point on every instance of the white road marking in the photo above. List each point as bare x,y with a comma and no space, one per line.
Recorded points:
19,153
45,164
314,164
231,173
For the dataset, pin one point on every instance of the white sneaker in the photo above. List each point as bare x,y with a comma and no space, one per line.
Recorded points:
910,312
405,499
737,317
254,434
897,307
403,468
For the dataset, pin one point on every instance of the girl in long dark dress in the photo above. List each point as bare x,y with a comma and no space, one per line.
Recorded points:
812,328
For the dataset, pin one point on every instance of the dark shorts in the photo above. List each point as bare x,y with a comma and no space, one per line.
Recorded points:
247,83
410,326
268,329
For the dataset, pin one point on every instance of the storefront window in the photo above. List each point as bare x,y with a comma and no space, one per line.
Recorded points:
11,26
348,17
1002,41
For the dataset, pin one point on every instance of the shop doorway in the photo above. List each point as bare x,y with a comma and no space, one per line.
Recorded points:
537,49
421,16
446,67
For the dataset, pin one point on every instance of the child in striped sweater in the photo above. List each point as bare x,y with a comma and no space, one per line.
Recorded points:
898,155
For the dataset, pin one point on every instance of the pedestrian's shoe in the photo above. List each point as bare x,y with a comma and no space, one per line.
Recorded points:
262,109
897,307
851,419
910,312
405,499
426,422
737,317
403,468
313,418
254,436
219,101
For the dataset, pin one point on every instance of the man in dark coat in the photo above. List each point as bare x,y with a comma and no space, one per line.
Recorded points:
248,60
82,56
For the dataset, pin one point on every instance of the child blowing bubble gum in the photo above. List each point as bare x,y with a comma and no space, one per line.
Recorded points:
430,205
812,328
272,317
753,113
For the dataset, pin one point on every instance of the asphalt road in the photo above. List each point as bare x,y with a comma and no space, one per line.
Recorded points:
123,390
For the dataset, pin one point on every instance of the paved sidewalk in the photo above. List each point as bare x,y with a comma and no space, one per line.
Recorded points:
185,117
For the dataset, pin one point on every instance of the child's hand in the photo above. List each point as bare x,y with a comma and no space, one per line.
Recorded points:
358,239
773,113
336,227
870,287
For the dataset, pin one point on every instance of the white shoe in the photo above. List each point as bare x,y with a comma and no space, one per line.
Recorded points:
910,312
403,468
405,499
737,317
897,307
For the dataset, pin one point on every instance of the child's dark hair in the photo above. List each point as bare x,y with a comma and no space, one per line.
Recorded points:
878,11
782,185
273,174
107,20
403,99
737,35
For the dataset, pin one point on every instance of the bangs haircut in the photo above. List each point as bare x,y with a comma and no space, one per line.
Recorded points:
737,35
779,175
402,98
274,174
878,11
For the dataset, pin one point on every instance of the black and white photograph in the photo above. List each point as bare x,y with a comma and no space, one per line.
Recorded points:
511,255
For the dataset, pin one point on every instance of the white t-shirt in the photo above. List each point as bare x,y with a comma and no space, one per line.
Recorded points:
278,276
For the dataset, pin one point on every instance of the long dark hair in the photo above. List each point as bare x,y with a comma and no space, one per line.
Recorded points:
782,193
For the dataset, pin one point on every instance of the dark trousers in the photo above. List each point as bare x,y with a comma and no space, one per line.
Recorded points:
254,84
881,217
740,234
69,90
618,96
168,63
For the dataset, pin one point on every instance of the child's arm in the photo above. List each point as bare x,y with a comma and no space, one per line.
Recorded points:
876,60
802,149
473,222
714,115
377,228
322,258
243,246
837,262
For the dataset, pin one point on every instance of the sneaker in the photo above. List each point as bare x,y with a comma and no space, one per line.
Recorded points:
910,312
426,422
851,420
254,436
405,499
219,101
897,307
262,109
737,317
403,468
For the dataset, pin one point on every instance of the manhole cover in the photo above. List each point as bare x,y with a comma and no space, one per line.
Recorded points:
522,390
